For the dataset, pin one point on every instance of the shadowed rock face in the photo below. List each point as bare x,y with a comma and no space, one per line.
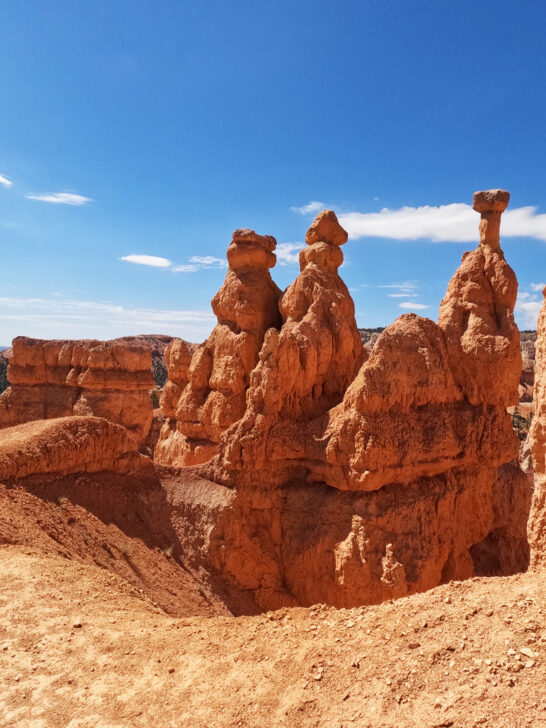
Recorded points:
358,481
206,393
537,438
109,379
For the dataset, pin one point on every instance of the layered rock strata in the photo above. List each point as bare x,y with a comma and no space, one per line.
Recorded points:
206,393
357,482
50,379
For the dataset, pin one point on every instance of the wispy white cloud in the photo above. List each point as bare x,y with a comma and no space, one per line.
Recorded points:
186,268
537,286
208,261
456,222
402,295
404,288
5,182
413,305
310,208
60,198
196,262
200,262
69,318
528,307
151,260
288,253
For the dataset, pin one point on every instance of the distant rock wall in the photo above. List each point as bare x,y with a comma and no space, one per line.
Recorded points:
537,441
4,356
50,379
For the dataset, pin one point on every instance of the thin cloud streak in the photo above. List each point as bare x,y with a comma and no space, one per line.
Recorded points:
68,318
413,305
208,261
5,182
152,260
456,223
60,198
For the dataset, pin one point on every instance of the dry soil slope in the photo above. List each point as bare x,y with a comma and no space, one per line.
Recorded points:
80,647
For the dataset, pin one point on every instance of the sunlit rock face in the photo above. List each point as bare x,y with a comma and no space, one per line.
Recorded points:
64,445
206,392
358,479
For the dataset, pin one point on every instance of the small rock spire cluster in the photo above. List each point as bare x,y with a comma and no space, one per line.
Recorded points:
208,390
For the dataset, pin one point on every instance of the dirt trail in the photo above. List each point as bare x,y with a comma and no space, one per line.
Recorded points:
80,647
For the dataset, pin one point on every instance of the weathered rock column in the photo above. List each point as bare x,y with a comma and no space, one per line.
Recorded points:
491,204
218,375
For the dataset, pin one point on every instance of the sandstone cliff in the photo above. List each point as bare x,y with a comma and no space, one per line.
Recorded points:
206,390
51,379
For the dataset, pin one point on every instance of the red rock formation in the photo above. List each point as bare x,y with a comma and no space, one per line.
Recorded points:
304,369
68,445
51,379
537,440
419,440
213,385
527,379
476,314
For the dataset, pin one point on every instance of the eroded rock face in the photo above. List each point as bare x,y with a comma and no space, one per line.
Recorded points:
68,445
303,369
206,394
537,441
358,482
50,379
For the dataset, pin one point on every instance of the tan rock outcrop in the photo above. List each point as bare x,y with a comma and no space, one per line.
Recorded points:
68,445
537,441
213,384
355,486
50,379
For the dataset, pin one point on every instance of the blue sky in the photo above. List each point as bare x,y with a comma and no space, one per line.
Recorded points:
141,128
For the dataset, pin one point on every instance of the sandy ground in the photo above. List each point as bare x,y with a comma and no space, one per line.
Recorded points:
80,646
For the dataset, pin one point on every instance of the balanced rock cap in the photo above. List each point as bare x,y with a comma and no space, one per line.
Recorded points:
491,200
325,228
250,250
